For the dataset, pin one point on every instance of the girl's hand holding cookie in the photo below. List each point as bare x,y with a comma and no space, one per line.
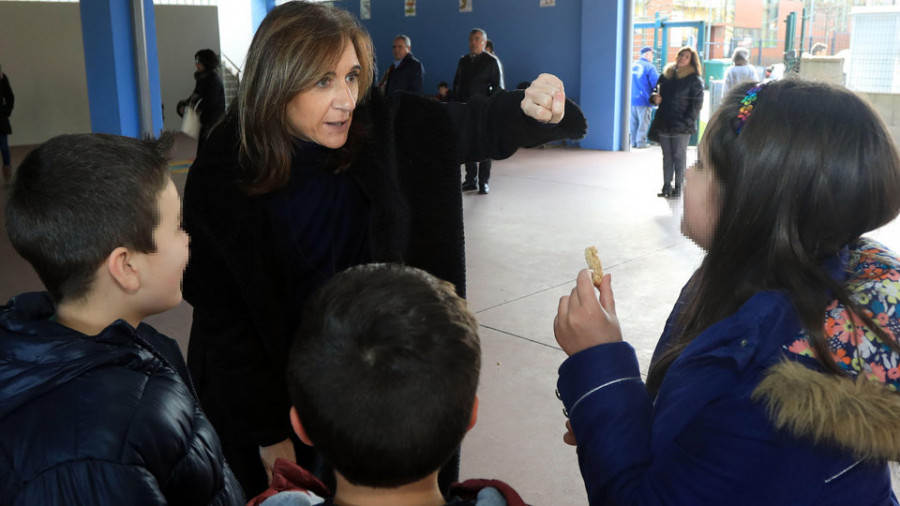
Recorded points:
582,321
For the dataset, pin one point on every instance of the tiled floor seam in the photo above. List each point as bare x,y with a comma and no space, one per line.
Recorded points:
572,281
521,337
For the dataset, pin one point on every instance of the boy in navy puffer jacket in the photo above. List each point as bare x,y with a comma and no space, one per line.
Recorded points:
95,406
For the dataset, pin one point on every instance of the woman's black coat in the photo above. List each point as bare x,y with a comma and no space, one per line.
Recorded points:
7,101
211,91
681,102
409,169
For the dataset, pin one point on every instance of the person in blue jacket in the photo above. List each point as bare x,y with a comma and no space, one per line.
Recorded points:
643,80
775,380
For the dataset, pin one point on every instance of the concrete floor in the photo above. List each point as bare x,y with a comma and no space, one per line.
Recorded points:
525,244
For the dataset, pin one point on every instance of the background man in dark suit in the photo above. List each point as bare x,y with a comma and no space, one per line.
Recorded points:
406,73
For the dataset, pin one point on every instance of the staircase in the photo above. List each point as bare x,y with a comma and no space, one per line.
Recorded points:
231,76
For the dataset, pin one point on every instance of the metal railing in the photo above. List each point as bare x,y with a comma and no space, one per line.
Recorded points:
231,66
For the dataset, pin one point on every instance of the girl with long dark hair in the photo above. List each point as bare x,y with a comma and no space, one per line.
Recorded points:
775,380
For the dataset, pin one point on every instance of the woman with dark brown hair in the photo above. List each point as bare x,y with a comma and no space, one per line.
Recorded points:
310,173
679,97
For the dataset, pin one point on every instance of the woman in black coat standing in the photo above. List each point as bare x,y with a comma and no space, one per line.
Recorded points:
208,95
311,173
7,100
679,97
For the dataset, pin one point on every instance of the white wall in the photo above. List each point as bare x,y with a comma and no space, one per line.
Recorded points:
829,69
42,53
181,31
236,19
888,107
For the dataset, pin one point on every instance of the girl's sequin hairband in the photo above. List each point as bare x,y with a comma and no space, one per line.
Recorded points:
747,104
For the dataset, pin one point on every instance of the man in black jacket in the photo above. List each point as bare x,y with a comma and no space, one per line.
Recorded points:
477,73
406,73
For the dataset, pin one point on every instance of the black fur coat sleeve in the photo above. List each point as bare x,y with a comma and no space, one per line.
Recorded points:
408,167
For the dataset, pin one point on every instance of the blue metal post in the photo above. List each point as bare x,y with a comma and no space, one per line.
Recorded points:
802,32
664,50
656,25
111,61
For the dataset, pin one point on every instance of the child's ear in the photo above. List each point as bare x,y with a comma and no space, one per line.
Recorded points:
298,427
120,265
474,413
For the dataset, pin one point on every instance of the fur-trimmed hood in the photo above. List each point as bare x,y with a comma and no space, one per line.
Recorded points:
859,411
673,72
857,415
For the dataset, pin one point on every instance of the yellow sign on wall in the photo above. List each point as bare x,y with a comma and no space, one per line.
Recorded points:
410,8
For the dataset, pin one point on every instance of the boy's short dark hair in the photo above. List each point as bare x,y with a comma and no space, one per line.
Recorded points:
76,198
443,84
383,373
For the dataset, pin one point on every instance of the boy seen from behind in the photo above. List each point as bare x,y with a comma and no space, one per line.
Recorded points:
95,406
383,377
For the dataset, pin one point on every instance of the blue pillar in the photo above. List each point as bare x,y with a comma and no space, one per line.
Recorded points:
153,67
605,72
111,63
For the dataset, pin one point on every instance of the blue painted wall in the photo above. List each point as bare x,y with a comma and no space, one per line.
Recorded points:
527,38
603,80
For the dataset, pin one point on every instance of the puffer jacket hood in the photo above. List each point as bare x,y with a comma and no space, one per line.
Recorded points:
858,411
39,355
105,419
